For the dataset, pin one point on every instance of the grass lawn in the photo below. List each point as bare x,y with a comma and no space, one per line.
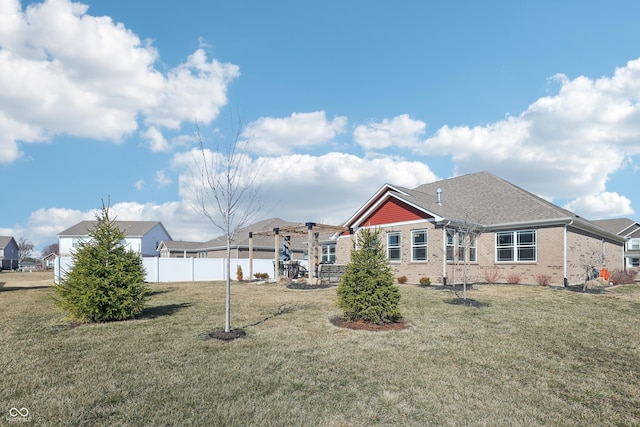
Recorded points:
529,356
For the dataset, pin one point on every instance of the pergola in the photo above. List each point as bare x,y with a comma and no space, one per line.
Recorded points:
311,229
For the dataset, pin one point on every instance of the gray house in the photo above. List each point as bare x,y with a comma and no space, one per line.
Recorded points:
630,230
9,253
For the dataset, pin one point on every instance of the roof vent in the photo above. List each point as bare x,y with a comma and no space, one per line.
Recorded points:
439,196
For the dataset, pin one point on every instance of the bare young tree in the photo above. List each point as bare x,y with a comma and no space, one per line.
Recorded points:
227,191
25,249
464,234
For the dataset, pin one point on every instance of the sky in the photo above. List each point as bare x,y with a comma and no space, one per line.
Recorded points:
104,101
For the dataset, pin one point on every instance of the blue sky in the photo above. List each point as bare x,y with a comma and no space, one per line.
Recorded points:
101,99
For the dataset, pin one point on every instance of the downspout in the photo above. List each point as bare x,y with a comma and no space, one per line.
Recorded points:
566,280
444,254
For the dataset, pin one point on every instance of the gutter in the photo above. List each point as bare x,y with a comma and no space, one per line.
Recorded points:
579,223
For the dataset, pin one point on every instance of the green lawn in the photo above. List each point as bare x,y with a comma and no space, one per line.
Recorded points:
529,356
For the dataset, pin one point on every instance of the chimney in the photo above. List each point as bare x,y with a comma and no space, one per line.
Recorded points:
439,196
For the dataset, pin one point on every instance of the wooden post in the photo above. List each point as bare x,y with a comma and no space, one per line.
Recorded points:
311,251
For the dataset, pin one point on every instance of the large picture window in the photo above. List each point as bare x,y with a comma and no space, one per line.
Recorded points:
419,245
516,246
394,242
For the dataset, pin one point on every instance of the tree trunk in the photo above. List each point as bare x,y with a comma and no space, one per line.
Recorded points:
227,309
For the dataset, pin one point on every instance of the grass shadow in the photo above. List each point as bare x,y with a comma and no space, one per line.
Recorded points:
160,291
163,310
20,288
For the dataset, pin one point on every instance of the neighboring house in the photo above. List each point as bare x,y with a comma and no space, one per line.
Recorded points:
48,261
513,233
263,242
630,230
142,237
179,249
9,253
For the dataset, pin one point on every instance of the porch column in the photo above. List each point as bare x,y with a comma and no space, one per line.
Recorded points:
310,249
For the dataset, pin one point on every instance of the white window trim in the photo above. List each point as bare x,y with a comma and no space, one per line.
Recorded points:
329,253
515,247
399,246
425,245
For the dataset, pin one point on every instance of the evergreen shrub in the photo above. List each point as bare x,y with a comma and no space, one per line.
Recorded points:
106,282
367,291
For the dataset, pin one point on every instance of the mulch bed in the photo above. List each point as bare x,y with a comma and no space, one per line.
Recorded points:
469,302
226,336
367,326
579,288
307,286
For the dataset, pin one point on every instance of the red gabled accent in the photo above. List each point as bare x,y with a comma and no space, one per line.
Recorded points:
391,211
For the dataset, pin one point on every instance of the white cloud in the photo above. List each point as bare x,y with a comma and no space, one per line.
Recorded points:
273,136
162,180
44,224
400,131
193,91
63,71
302,187
602,205
157,142
565,145
297,187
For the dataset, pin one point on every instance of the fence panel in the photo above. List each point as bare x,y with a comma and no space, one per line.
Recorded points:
182,269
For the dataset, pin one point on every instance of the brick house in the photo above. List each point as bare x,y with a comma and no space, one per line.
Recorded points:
487,223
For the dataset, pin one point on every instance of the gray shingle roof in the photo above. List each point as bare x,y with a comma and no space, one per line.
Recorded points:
484,198
620,226
241,237
180,245
130,228
4,241
490,201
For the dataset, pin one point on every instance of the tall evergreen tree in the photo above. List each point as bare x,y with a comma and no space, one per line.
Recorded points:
367,291
106,281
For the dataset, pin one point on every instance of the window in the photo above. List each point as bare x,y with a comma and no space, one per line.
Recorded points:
451,237
635,262
329,254
466,247
203,254
419,245
634,244
472,243
461,251
516,246
394,241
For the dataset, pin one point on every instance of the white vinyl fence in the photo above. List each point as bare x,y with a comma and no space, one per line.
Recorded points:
184,269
